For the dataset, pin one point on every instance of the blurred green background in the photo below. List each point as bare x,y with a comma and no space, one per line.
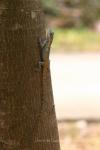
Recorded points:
76,24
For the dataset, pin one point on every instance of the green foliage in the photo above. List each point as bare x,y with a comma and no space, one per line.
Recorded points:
48,3
50,7
91,11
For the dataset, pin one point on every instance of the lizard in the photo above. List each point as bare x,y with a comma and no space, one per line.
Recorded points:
45,49
43,66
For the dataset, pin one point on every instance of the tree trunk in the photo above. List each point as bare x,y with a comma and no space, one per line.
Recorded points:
27,115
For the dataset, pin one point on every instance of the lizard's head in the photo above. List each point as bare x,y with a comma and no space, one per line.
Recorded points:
51,33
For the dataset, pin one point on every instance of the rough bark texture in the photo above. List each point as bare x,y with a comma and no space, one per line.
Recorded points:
27,115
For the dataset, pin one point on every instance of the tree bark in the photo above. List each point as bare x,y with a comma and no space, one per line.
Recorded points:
27,114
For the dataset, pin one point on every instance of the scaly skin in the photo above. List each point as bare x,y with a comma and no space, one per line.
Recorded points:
45,48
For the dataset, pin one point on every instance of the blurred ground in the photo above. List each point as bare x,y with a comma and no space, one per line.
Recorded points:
76,85
79,135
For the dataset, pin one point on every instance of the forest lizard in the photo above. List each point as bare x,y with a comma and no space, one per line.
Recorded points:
43,66
45,49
